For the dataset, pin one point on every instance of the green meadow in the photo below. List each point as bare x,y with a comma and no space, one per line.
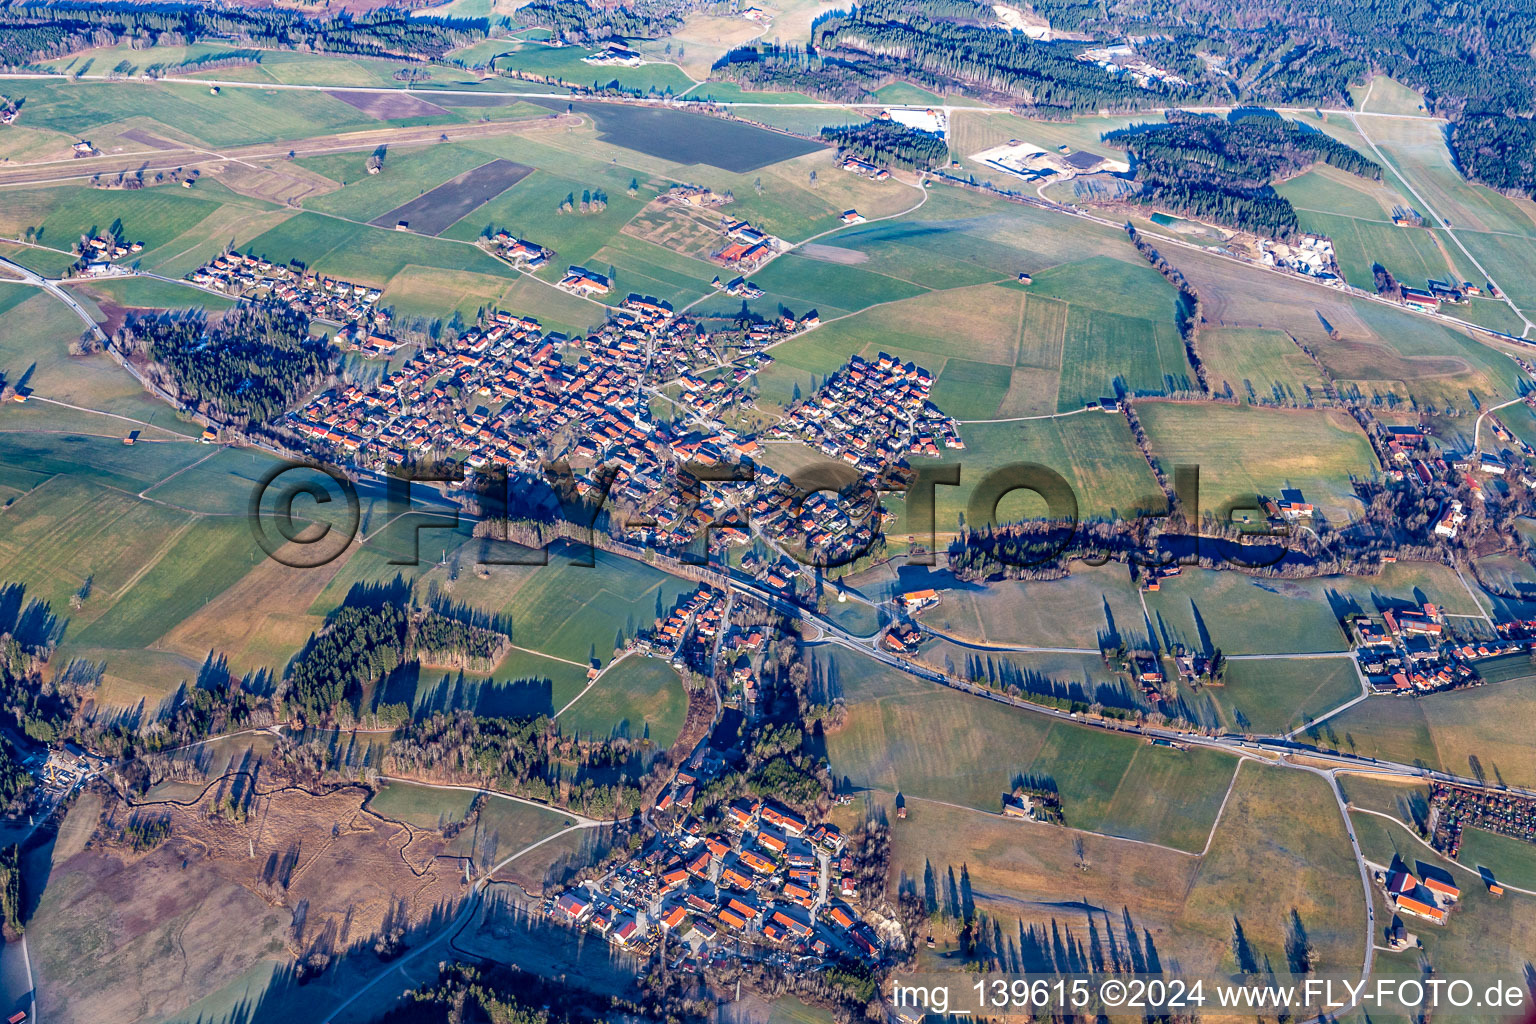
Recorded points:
910,737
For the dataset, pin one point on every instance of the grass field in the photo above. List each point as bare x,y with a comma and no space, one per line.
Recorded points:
70,529
1094,603
34,351
150,293
421,806
185,111
1509,860
407,174
1245,615
1258,364
1083,330
504,827
637,697
1276,695
575,613
358,252
199,565
914,738
1235,452
1389,356
1447,730
1281,848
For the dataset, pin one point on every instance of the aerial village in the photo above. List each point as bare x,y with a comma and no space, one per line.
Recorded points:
764,879
1455,808
872,415
352,308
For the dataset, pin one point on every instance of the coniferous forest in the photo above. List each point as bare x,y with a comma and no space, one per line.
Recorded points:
577,22
1221,169
886,142
250,364
32,31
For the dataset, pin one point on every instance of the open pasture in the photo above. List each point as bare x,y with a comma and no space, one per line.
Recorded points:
1281,849
71,529
577,613
362,253
1447,731
1258,364
1205,609
1095,604
183,110
61,214
910,737
200,564
1275,695
636,698
408,172
34,352
433,293
1391,355
1235,451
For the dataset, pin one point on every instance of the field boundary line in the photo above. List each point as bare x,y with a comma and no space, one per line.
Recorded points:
1231,785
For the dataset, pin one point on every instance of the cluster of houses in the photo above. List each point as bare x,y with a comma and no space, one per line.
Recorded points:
532,386
687,635
765,878
98,254
696,196
873,415
1429,898
746,248
853,165
1410,651
504,396
1455,808
520,252
1405,455
364,325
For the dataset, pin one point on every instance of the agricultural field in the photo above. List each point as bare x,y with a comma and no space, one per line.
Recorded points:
1389,357
1464,732
1234,450
34,353
889,744
578,613
421,806
1281,851
1091,606
1259,365
184,111
407,173
1275,695
1206,609
362,253
637,698
433,212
